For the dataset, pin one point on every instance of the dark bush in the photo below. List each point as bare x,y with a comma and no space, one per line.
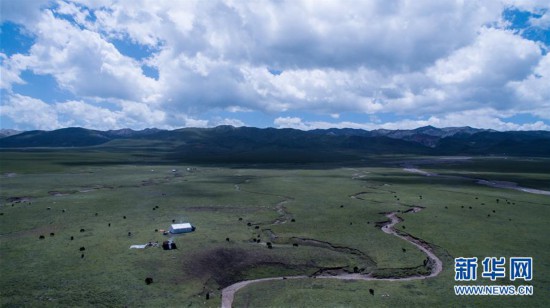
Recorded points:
82,248
41,237
371,291
148,280
82,230
72,238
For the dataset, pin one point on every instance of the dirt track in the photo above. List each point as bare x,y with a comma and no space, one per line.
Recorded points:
228,293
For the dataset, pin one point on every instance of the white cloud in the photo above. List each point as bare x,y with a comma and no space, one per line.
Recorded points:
484,118
225,121
10,71
22,11
29,111
81,61
411,58
535,89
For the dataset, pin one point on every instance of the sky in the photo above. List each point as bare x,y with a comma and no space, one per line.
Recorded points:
106,64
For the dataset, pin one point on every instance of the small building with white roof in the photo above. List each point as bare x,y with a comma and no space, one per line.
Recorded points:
181,228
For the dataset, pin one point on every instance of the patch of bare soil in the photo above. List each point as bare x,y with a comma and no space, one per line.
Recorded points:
227,266
18,199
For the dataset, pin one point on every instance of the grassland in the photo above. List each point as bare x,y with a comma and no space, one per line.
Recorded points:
112,193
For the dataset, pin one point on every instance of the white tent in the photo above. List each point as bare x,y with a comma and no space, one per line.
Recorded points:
182,228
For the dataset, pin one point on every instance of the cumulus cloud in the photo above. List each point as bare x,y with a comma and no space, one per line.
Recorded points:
427,59
30,111
488,119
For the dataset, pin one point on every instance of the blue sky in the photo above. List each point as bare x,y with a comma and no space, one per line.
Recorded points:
106,64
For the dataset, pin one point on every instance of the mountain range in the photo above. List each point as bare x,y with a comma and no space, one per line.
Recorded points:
249,144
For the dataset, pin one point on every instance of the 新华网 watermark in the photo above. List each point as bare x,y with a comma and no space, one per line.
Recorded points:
494,269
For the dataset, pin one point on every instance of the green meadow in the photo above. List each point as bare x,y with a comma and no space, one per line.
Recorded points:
316,217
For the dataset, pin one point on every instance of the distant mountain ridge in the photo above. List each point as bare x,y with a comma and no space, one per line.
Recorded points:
228,143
